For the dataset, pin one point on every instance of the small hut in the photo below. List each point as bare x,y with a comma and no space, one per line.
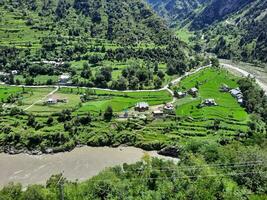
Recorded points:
141,107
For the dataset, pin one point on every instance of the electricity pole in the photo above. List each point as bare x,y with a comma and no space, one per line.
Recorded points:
60,183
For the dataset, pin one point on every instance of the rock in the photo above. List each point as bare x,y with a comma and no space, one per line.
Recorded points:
35,152
49,151
171,151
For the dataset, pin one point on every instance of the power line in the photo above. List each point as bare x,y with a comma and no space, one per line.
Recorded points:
230,165
187,177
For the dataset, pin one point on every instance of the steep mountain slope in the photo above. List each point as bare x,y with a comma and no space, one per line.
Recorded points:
177,11
242,35
129,21
230,28
216,11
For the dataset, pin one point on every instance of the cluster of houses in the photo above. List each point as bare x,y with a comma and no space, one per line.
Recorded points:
142,110
236,92
192,91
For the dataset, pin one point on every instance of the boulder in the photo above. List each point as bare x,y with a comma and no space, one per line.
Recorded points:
170,151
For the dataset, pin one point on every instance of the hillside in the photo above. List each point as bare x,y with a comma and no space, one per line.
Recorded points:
176,12
123,21
242,35
233,29
217,10
109,44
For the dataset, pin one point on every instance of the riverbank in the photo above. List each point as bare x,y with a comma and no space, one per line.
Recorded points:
78,165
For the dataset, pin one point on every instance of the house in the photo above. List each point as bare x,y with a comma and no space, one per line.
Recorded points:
236,92
64,78
158,114
224,88
240,101
141,107
54,100
238,95
51,101
209,102
14,72
168,107
193,91
180,95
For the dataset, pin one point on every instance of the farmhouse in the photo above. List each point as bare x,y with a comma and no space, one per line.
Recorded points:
193,91
168,107
141,107
51,101
181,95
64,78
158,114
14,72
55,100
209,102
237,94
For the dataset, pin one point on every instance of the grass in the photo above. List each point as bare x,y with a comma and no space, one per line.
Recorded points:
119,101
184,35
5,91
209,81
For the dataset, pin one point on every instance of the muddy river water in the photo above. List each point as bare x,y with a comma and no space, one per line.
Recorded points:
79,164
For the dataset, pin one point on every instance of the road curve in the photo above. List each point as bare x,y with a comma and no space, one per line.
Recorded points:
166,87
246,74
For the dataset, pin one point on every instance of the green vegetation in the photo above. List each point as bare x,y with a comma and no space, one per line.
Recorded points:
230,29
42,40
221,123
206,171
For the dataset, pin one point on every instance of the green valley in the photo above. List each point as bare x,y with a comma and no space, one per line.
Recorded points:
86,85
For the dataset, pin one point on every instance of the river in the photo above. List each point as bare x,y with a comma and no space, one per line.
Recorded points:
79,164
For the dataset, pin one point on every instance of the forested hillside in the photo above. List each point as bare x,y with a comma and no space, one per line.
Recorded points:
233,29
177,12
107,36
124,21
243,35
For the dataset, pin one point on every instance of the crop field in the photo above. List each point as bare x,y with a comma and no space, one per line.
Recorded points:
233,118
119,101
6,91
194,122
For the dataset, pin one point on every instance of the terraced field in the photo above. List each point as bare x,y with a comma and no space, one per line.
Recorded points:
226,120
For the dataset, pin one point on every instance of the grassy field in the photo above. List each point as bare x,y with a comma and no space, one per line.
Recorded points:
6,91
100,100
121,100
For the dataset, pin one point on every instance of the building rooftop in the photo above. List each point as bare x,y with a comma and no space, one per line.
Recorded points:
142,105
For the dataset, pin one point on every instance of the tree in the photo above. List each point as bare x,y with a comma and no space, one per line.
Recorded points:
108,114
31,121
161,74
215,62
29,81
50,120
157,82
